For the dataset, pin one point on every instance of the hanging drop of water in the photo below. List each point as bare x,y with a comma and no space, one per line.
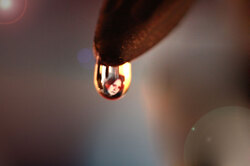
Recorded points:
112,82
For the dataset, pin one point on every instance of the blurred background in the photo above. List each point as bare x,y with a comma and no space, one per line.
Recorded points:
51,114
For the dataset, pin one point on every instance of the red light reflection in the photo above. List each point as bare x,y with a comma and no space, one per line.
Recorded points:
12,11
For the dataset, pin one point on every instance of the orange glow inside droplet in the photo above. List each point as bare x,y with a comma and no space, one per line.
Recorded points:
125,70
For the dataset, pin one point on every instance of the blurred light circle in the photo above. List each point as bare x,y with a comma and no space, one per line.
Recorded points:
5,4
85,58
12,11
84,55
220,138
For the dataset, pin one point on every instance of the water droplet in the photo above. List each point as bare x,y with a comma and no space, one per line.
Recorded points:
112,82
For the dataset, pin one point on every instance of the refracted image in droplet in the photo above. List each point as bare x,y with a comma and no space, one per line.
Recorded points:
112,82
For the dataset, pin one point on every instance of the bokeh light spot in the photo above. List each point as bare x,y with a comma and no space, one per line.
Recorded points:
5,4
12,11
85,58
221,137
193,129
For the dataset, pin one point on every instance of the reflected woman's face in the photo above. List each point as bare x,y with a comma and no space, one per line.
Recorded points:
115,87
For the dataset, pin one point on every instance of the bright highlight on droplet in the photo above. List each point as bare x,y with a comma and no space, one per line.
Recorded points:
112,82
5,4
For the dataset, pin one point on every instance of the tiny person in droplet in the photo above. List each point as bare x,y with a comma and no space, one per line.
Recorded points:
113,87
